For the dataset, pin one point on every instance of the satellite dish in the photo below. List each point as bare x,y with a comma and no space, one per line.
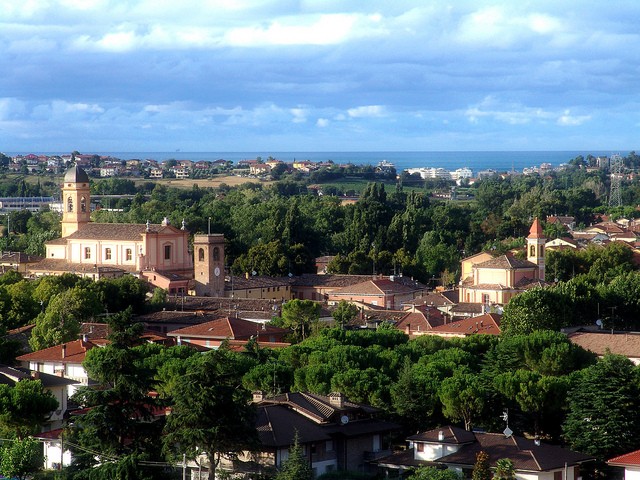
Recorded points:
599,323
254,273
344,419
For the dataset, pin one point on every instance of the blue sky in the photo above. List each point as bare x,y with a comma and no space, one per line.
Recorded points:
324,75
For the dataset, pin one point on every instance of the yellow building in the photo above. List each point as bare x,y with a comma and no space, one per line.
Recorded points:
496,280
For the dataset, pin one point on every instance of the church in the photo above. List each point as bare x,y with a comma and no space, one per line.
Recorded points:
494,281
158,253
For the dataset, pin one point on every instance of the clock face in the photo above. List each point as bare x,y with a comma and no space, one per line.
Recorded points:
217,272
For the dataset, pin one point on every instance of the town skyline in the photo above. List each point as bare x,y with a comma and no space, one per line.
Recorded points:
138,76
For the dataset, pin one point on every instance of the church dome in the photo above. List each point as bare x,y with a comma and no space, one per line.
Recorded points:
76,175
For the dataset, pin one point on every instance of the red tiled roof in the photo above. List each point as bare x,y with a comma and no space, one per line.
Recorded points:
228,328
488,324
119,231
631,459
536,230
74,352
506,262
379,286
627,344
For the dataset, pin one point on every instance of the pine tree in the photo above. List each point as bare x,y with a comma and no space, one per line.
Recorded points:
296,467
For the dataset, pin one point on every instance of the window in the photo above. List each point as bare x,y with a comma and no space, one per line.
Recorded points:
107,254
328,446
532,251
541,250
201,255
83,205
167,252
87,252
419,447
557,475
69,204
216,253
485,298
128,254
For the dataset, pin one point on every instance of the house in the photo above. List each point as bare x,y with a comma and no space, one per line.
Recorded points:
497,280
383,292
621,343
64,361
257,287
156,172
259,169
420,320
630,462
334,433
487,324
54,384
18,261
235,331
317,287
456,449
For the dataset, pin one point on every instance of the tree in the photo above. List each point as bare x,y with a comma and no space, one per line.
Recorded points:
119,421
433,473
481,469
60,322
300,316
604,401
296,467
20,458
505,470
24,408
211,414
536,309
462,397
344,313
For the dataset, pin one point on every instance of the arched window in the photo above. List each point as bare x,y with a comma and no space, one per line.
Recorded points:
532,251
542,250
201,254
70,204
83,205
216,253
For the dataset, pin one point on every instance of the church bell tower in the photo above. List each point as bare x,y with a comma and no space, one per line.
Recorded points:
76,210
535,247
208,265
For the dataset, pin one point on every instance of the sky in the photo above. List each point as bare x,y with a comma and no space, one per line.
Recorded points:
323,75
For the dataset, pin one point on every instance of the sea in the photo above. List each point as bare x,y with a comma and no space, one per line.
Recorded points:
501,161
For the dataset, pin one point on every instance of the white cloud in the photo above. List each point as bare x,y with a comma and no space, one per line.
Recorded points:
513,114
322,123
366,111
299,115
568,120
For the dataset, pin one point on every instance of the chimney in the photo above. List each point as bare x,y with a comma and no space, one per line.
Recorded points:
64,350
258,396
441,436
336,399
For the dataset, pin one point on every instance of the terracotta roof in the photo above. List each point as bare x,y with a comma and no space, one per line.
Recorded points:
119,231
243,283
627,344
631,459
74,352
232,328
506,262
61,265
488,324
18,257
328,280
376,287
536,230
421,322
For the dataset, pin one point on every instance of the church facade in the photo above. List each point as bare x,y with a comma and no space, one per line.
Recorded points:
495,280
157,252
